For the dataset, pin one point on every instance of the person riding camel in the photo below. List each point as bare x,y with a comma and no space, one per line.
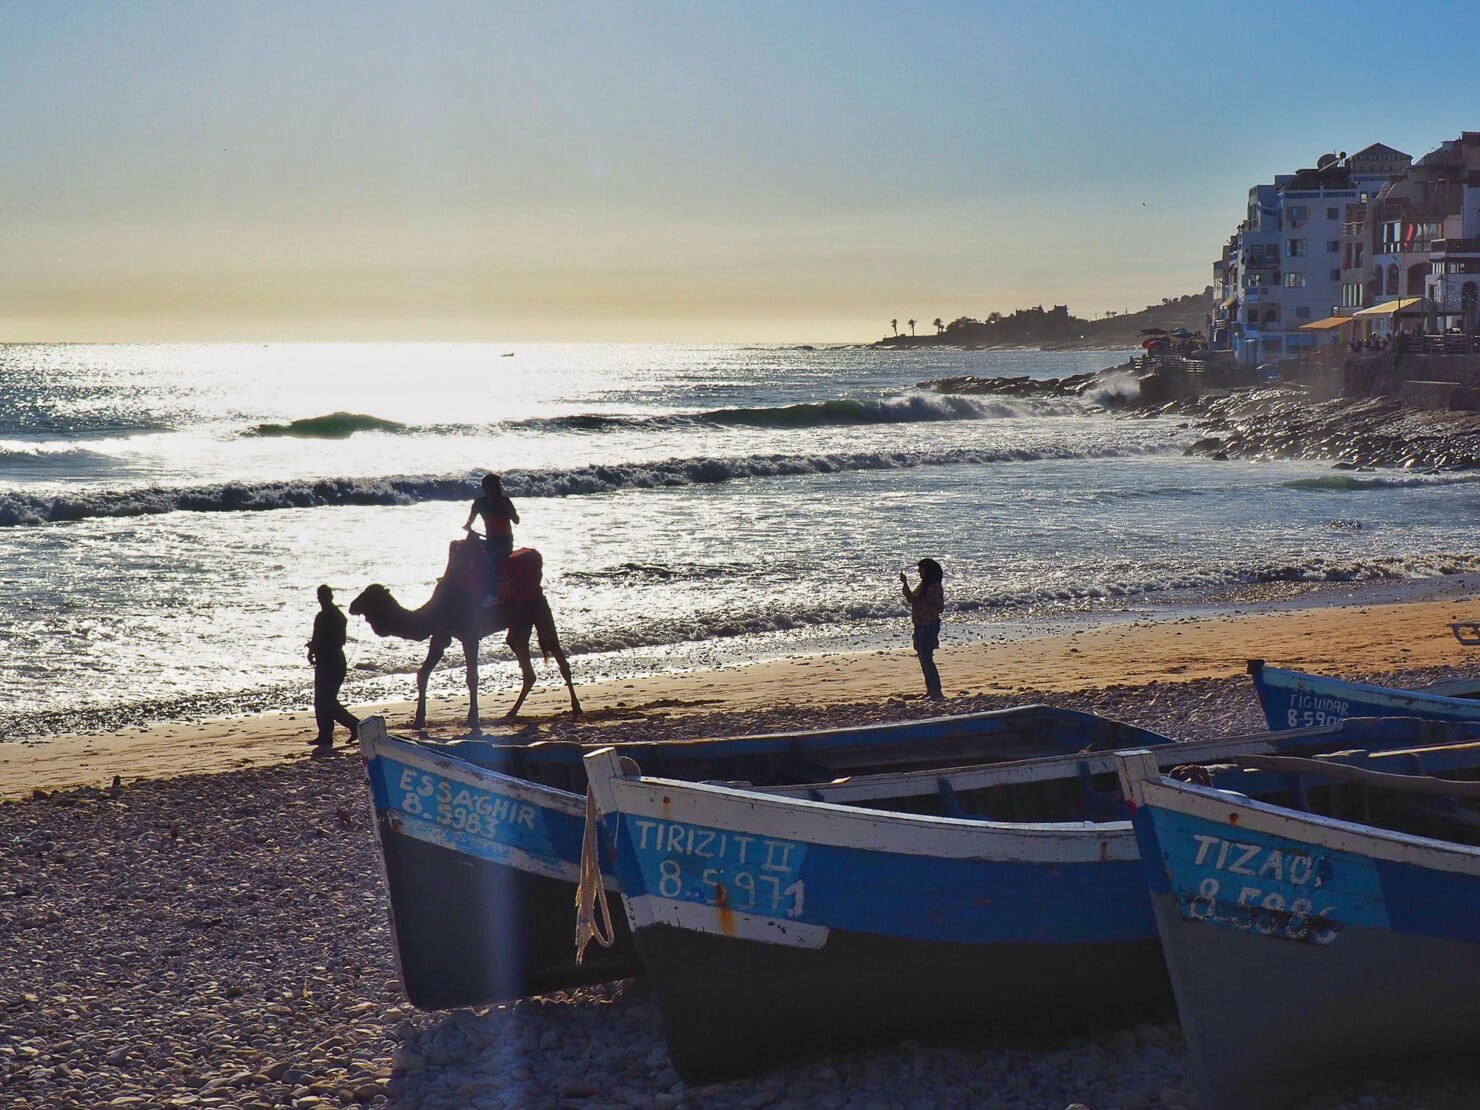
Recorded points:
499,516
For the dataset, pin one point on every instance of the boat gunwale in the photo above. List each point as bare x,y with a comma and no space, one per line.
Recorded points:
1334,833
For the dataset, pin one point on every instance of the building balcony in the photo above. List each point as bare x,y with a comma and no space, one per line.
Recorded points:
1413,246
1455,246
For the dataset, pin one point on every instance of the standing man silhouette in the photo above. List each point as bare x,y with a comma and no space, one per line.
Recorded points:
326,653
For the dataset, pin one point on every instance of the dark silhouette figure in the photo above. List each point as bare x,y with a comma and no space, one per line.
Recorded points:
499,516
927,603
326,653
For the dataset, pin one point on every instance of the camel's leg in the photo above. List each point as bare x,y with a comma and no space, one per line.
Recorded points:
435,648
470,653
550,644
519,644
564,665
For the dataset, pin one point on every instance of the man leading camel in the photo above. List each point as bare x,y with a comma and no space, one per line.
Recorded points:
498,515
326,653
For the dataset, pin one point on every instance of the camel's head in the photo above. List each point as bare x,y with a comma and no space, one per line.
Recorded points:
372,604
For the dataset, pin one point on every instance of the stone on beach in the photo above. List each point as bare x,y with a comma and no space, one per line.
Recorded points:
247,960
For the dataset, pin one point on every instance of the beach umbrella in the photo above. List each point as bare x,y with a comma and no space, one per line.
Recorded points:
1181,333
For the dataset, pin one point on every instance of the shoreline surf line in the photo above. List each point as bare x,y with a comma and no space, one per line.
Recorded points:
1357,638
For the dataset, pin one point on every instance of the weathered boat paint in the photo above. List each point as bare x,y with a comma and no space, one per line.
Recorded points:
1302,949
481,842
1294,699
805,919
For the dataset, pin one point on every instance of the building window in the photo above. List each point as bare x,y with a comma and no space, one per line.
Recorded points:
1298,212
1302,312
1333,246
1333,213
1335,275
1295,248
1297,281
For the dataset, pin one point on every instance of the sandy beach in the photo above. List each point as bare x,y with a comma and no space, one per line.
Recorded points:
211,930
1351,638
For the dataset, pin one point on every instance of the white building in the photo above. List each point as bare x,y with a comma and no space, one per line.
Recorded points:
1282,270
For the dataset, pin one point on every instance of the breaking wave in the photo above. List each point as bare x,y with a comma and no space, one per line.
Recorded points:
1346,483
839,412
335,425
910,408
29,508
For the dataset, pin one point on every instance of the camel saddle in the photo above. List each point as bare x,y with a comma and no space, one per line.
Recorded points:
467,569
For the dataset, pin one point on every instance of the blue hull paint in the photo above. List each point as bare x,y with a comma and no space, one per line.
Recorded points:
481,843
1305,952
1294,699
903,896
765,922
914,946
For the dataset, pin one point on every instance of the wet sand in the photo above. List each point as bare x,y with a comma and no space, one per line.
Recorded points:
1352,638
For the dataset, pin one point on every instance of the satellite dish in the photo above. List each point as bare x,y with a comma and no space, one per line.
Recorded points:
1325,160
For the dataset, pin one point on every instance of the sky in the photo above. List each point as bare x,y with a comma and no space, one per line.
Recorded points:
644,171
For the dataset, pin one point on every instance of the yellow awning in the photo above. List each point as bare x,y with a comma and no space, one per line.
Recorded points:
1387,308
1328,322
1230,302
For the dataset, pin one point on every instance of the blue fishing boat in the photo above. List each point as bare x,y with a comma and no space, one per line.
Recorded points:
804,919
481,842
1330,938
1294,699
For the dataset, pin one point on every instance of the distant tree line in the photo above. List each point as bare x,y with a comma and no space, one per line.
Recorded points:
1037,325
1024,325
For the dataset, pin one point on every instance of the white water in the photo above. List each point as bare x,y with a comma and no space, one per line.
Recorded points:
161,538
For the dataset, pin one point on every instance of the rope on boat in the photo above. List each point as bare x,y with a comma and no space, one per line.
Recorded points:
591,891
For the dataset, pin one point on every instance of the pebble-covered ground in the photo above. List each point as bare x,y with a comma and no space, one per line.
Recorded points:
221,940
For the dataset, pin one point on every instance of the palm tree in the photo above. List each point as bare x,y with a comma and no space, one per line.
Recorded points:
895,325
912,326
939,327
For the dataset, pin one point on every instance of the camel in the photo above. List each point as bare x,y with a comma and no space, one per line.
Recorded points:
454,612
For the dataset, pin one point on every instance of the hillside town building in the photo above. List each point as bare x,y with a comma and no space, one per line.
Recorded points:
1361,247
1282,269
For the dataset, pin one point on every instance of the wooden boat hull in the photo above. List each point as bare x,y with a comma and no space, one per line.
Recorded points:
485,911
1294,699
1309,950
481,860
860,989
469,931
775,925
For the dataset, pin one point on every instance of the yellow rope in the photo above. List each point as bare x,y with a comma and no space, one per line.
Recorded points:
591,891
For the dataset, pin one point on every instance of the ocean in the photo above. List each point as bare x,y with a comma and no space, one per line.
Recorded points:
166,512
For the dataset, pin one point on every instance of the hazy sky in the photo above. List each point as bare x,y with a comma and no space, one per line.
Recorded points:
668,171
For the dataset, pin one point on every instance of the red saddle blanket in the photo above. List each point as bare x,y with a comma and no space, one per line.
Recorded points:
467,569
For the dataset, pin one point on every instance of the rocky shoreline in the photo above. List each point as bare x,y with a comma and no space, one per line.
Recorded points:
1275,422
221,940
1372,432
